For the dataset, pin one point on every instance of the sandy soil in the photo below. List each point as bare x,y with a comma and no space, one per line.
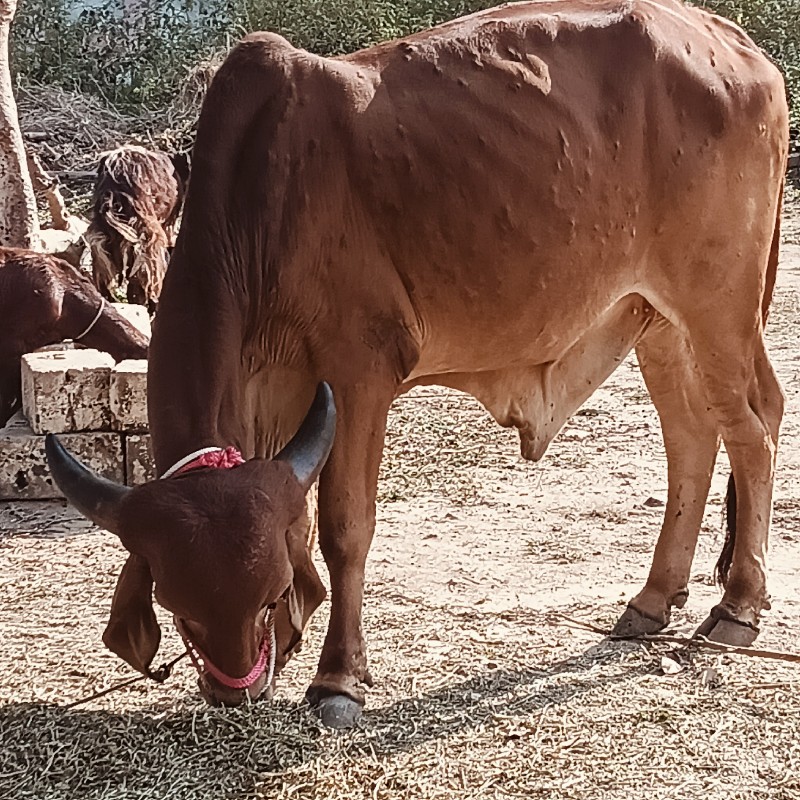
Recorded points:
483,689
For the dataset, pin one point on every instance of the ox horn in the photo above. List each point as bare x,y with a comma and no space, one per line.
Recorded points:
95,497
310,447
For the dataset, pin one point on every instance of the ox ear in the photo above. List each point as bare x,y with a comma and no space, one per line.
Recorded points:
306,591
132,631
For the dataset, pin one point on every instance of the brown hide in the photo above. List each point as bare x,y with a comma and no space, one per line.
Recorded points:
506,204
43,301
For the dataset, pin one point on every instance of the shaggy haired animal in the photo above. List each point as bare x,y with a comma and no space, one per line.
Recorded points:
45,300
137,202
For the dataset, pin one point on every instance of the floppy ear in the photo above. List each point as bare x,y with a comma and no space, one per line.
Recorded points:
306,591
132,631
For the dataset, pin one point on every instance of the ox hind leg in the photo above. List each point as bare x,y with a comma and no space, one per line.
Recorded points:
691,440
746,398
347,492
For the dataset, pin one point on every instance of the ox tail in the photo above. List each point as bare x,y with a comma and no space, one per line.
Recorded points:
725,560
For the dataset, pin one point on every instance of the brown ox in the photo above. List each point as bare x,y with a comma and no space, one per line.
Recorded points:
138,196
44,300
506,205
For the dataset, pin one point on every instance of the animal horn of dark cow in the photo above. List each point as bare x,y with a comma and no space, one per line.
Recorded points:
95,497
308,451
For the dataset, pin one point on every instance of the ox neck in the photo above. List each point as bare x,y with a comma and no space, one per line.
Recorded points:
102,326
195,375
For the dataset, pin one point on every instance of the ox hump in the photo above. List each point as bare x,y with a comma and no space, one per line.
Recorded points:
266,41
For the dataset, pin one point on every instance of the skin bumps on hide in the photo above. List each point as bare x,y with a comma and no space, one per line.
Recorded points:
508,204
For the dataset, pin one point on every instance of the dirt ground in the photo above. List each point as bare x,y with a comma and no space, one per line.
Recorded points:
483,690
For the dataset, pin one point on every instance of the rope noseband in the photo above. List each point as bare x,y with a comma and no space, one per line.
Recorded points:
264,663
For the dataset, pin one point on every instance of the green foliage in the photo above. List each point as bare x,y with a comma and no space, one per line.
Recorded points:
342,26
139,65
132,64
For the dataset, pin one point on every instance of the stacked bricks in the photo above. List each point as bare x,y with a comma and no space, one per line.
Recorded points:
98,408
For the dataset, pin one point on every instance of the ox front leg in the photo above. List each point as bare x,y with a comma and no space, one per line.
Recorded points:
347,493
691,440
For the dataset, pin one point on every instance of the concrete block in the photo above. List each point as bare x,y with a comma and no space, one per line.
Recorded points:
23,466
139,465
137,315
67,391
128,395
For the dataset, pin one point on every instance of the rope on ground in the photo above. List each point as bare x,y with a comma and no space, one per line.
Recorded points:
164,671
688,642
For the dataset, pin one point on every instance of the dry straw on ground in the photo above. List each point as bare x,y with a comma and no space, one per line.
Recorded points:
544,713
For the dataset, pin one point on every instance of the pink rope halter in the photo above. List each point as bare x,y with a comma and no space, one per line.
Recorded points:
225,458
264,663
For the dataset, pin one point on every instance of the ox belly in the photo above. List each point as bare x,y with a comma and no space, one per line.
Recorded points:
538,398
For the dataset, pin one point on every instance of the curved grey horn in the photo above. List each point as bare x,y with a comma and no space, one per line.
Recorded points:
308,451
96,498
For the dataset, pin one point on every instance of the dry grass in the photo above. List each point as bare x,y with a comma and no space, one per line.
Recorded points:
437,441
475,706
69,130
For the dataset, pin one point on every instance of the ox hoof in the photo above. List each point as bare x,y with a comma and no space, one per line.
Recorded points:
727,631
633,623
338,711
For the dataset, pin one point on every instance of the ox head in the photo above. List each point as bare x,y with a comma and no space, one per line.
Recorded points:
226,551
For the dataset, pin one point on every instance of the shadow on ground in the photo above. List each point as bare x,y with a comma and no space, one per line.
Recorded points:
49,751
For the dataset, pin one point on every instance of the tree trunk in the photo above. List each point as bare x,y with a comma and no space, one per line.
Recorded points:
19,222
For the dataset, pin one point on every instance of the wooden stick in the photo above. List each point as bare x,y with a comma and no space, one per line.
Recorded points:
780,685
77,175
688,642
719,647
44,183
580,624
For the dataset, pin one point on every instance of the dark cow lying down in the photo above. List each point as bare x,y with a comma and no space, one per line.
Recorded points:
44,300
505,205
137,201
